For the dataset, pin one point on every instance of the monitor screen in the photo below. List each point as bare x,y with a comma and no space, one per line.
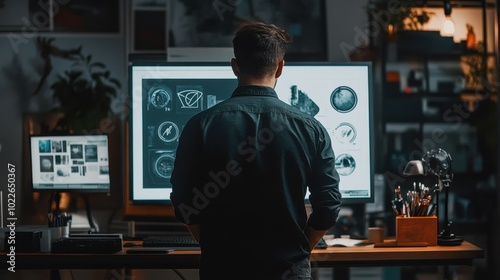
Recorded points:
165,96
70,163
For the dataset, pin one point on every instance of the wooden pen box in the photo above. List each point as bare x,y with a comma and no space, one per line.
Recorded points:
413,231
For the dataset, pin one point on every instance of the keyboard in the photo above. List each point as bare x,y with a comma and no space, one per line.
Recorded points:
170,241
188,241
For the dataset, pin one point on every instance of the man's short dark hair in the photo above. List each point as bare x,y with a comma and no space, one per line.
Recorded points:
258,47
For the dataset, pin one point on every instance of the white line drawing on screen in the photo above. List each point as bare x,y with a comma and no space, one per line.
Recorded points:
164,165
160,97
345,133
168,131
190,98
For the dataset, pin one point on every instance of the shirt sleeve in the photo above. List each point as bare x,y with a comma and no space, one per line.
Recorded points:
325,197
187,162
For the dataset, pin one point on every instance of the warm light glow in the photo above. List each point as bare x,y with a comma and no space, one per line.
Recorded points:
448,29
390,29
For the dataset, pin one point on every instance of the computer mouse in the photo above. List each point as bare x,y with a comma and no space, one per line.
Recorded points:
130,244
338,245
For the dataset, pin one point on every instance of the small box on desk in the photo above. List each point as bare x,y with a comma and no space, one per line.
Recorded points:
29,238
412,231
95,243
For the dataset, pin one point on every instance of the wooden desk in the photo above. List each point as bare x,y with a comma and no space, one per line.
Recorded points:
188,259
397,256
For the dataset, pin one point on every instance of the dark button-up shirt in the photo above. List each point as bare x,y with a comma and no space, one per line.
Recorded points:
241,172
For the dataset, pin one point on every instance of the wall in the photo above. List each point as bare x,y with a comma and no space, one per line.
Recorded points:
346,28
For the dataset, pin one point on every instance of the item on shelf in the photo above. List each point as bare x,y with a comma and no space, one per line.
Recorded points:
446,86
471,38
392,82
416,82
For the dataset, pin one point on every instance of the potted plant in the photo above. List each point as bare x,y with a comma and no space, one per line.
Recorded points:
477,72
84,92
407,18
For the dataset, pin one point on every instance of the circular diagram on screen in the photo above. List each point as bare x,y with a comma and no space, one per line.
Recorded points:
345,133
160,96
164,165
168,131
343,99
345,164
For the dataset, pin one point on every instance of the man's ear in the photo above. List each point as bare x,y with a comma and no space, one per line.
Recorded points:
279,70
234,66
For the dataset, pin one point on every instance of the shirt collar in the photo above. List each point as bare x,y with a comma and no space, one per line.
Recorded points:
254,91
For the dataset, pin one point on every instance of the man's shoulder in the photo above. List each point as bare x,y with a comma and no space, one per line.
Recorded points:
302,116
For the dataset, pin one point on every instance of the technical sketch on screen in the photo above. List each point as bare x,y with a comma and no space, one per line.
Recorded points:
170,104
168,131
161,165
345,133
190,99
212,100
345,164
343,99
160,97
301,101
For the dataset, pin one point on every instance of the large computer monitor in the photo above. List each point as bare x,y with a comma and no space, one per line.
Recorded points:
164,96
70,163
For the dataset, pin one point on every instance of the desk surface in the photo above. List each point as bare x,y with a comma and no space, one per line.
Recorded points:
399,256
331,257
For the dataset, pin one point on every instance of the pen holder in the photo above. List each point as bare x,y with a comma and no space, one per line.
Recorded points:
416,231
59,232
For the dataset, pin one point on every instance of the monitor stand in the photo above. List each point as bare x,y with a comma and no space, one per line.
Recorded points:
93,227
75,221
80,224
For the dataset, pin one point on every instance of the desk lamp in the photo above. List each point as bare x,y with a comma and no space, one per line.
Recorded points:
437,162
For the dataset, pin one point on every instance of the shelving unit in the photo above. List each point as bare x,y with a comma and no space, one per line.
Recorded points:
437,108
423,79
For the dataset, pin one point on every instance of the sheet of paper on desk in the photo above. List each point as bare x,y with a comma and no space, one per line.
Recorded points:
342,241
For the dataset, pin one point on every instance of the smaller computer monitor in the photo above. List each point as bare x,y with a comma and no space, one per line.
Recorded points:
78,163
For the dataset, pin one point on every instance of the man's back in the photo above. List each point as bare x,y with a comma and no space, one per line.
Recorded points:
255,156
242,168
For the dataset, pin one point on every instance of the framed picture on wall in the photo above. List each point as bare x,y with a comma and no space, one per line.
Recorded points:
22,16
75,16
211,24
86,16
